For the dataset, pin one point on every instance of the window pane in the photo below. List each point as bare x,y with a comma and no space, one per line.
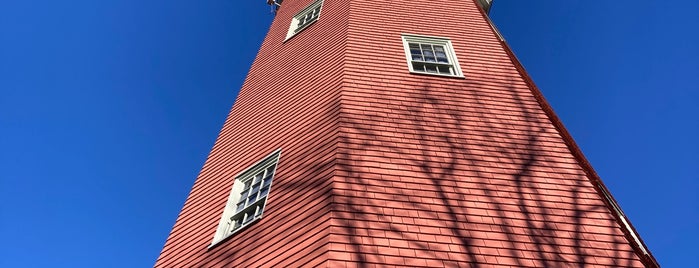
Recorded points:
431,68
240,206
418,67
237,223
414,47
249,216
252,198
441,54
264,191
244,194
416,54
415,51
247,185
444,69
259,210
268,180
428,52
255,188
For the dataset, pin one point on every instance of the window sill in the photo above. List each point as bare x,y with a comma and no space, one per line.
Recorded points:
442,75
245,226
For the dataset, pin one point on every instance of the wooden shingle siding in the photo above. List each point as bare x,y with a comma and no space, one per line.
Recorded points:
286,102
448,172
381,167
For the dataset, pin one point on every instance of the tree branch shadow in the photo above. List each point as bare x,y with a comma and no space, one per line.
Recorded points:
485,167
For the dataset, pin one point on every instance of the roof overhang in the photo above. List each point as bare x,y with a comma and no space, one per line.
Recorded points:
485,5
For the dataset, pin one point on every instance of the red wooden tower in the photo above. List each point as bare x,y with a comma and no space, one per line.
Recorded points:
381,133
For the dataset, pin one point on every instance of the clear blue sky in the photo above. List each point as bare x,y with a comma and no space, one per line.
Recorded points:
109,108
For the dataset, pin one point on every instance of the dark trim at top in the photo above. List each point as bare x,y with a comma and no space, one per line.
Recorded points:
485,4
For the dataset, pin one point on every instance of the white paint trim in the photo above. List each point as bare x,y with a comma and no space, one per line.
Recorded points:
432,40
293,27
223,230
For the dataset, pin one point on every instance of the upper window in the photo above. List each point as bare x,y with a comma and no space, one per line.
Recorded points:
306,17
431,55
248,197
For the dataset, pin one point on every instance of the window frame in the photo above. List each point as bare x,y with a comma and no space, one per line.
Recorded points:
453,62
226,227
295,27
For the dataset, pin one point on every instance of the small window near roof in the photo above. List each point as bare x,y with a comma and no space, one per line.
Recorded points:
248,197
303,19
431,55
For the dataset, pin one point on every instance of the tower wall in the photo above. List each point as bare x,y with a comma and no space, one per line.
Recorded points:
289,100
381,167
445,172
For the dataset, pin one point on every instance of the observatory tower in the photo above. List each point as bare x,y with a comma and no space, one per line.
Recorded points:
383,133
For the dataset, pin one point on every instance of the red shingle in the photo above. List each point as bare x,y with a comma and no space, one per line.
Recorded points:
381,167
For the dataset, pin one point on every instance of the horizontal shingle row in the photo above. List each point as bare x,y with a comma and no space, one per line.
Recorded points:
384,168
462,172
272,111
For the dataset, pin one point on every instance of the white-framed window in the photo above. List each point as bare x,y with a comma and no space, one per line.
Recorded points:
248,197
304,18
430,55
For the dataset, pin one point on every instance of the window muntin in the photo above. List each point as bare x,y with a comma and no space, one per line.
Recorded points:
306,17
246,202
251,202
430,55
